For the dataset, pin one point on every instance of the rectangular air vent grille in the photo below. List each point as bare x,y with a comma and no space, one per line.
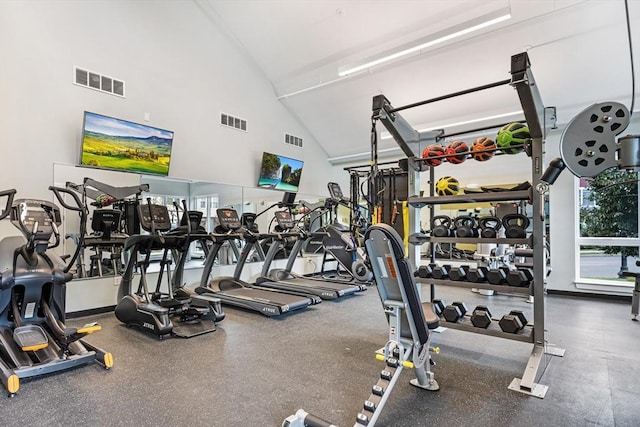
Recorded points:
97,81
233,122
292,140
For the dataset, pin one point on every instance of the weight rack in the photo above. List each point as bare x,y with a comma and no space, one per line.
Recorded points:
413,142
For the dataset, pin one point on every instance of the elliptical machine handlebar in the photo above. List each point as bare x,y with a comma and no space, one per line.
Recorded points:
9,195
78,204
82,211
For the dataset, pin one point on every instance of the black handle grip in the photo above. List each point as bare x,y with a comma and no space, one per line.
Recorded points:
509,220
9,195
57,190
486,221
444,221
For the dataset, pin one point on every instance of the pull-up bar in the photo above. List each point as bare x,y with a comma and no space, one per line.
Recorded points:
452,95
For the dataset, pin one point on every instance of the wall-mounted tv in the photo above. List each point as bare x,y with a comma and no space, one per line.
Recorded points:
280,172
111,143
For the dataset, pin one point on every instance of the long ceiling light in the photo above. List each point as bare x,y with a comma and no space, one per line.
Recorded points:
449,34
386,135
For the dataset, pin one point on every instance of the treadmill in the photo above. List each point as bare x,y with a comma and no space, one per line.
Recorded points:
286,280
236,292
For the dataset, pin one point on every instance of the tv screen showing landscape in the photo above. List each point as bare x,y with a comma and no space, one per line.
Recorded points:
280,172
111,143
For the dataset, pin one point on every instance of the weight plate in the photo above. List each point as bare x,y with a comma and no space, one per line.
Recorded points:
588,145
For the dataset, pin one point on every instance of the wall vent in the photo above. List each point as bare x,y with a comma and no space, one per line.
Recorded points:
233,122
292,140
97,81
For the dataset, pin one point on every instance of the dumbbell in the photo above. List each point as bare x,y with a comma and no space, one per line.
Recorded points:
438,306
515,226
477,275
454,312
521,277
465,226
458,273
481,317
423,271
497,276
513,322
441,226
440,271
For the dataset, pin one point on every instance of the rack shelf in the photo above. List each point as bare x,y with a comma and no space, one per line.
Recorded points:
478,285
421,239
525,335
491,196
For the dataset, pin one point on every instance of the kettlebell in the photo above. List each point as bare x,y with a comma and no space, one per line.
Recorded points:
465,226
441,226
515,226
489,227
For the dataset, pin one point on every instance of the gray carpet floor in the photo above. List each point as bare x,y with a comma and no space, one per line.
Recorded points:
255,371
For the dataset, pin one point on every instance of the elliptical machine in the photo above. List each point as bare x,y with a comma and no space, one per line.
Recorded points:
33,337
152,311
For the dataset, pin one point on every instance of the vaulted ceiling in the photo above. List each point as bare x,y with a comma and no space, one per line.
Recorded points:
579,53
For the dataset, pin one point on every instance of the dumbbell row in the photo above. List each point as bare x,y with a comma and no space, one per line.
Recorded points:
481,316
521,277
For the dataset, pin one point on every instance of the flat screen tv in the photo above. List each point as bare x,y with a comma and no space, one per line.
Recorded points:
280,172
116,144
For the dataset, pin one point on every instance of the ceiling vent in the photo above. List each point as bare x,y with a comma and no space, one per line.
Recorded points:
97,81
292,140
233,122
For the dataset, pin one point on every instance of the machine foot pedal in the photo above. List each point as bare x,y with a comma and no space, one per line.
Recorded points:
30,337
189,330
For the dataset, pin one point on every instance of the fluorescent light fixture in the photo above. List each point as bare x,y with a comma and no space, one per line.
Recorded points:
466,122
441,37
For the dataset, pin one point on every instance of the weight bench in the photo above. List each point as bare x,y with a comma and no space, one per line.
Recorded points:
409,323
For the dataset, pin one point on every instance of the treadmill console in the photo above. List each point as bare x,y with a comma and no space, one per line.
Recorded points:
154,217
249,221
229,219
285,220
194,219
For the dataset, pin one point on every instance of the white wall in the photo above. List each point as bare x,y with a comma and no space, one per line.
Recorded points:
178,67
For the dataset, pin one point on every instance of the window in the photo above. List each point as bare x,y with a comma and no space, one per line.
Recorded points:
608,240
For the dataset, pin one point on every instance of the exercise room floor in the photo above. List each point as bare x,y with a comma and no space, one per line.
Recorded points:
255,371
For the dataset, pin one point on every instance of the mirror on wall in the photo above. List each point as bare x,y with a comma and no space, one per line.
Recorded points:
100,258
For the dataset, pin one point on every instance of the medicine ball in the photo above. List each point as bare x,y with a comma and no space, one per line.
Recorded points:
512,134
456,152
433,150
447,186
480,144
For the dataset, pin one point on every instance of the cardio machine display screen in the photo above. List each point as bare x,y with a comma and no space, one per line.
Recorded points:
285,220
229,219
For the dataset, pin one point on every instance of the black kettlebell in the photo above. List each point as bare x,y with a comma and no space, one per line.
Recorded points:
466,226
441,226
515,226
489,227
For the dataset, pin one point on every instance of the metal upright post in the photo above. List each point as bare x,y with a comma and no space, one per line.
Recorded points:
522,80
